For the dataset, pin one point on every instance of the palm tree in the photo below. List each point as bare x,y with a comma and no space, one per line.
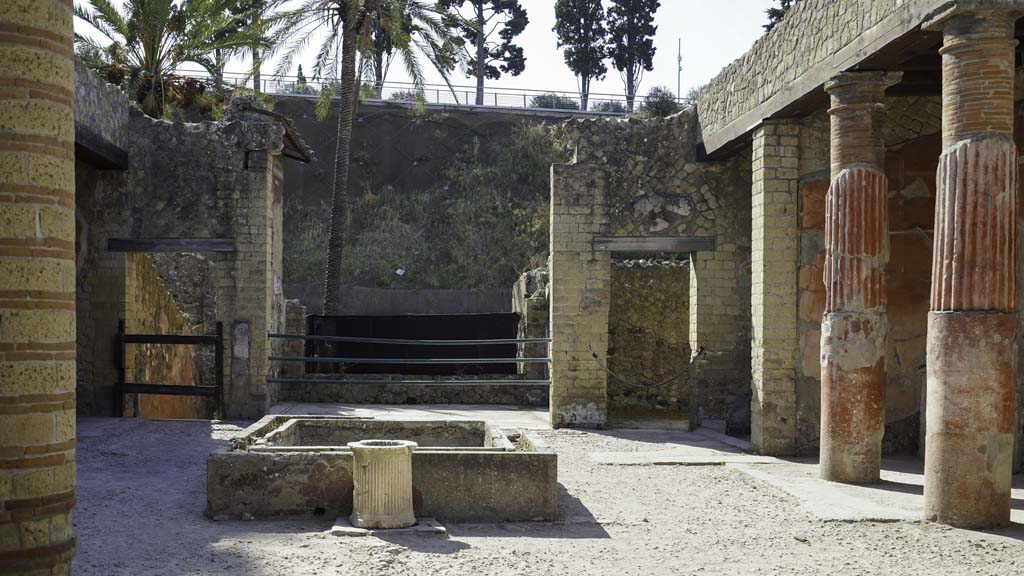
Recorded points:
417,27
413,27
150,38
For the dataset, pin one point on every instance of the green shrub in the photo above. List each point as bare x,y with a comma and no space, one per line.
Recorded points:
661,102
411,96
609,107
554,102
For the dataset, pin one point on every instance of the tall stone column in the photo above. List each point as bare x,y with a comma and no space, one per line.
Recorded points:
853,328
37,287
972,325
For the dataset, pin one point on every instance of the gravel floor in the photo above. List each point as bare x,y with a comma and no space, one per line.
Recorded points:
141,493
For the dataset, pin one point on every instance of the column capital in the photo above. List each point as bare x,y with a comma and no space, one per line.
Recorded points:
862,86
974,17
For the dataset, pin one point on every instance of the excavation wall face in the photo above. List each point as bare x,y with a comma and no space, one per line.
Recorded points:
642,179
452,481
424,190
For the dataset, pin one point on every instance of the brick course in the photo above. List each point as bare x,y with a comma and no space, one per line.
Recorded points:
37,289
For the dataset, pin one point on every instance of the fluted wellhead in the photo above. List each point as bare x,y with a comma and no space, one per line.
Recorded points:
382,474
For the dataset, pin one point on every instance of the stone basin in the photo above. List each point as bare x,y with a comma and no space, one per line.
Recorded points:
463,470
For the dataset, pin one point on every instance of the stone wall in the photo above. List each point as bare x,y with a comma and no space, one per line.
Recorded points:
100,108
649,337
206,180
530,301
150,309
817,39
654,186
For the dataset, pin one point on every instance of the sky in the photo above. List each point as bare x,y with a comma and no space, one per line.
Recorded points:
713,34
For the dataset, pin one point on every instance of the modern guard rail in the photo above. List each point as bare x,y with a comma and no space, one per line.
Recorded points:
122,387
441,94
420,361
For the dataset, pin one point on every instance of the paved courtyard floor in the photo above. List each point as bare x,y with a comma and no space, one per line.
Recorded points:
638,502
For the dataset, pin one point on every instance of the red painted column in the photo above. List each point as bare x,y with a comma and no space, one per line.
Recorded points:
854,328
972,326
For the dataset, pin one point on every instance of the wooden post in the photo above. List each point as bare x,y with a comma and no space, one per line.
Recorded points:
119,362
218,364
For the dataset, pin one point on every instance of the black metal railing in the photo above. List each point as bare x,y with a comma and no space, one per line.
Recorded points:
315,360
123,387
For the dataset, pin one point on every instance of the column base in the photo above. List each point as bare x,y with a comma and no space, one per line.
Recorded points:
852,396
970,414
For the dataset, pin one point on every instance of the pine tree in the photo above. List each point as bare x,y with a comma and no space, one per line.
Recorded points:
775,15
631,32
487,56
581,31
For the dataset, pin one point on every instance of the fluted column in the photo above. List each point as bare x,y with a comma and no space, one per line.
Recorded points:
854,327
37,287
972,325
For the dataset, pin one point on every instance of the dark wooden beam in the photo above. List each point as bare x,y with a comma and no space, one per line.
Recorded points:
655,244
97,151
169,339
171,244
169,390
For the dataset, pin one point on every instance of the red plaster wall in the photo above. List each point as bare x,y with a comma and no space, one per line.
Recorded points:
911,171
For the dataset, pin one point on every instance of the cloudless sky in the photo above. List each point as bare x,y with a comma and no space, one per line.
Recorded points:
713,34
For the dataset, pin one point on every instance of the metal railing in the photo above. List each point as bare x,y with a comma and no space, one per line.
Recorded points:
440,94
409,361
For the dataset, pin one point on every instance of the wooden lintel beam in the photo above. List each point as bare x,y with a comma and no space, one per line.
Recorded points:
655,244
97,151
169,390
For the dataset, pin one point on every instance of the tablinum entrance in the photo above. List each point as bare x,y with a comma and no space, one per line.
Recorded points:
643,381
